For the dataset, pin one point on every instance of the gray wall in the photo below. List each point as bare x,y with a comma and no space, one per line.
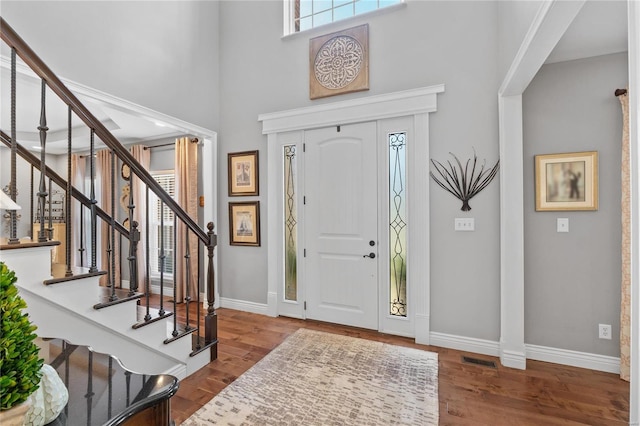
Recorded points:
572,280
170,56
422,44
160,54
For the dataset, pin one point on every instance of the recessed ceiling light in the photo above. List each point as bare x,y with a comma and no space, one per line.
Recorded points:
160,124
37,147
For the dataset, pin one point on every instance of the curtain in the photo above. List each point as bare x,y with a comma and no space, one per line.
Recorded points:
186,194
104,194
143,156
625,301
78,170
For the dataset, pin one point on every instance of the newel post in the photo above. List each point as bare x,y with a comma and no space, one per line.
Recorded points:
211,319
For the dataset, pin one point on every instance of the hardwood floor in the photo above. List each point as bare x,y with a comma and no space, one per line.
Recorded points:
543,394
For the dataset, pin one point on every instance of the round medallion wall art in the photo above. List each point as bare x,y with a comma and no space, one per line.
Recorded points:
339,62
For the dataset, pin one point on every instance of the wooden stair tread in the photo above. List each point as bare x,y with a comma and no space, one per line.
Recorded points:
121,294
25,243
59,273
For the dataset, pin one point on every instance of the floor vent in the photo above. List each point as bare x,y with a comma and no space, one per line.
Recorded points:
481,362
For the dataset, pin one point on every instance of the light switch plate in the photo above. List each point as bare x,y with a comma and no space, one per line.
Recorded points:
563,224
464,224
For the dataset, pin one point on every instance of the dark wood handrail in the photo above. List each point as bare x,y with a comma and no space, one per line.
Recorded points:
58,180
55,84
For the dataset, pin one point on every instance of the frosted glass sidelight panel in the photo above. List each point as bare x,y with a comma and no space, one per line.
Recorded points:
397,224
290,224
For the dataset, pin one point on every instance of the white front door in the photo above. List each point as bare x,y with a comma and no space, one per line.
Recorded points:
341,225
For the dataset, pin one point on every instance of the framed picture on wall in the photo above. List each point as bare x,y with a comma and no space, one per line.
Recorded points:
243,173
244,223
567,181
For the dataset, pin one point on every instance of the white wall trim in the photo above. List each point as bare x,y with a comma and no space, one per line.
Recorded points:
550,23
597,362
179,371
559,356
548,26
466,344
245,306
371,108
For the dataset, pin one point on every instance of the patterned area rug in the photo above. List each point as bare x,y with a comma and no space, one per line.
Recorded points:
316,378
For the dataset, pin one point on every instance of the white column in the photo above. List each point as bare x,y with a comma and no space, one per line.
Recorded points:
512,349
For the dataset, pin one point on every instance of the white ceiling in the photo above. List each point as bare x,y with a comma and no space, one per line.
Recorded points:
599,29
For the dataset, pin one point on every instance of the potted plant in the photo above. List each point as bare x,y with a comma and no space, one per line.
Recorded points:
20,365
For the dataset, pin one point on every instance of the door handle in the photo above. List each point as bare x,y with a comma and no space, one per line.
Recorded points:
370,255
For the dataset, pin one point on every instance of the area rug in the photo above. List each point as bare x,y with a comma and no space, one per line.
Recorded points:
317,378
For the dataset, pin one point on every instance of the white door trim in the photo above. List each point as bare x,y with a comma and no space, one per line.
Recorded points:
287,127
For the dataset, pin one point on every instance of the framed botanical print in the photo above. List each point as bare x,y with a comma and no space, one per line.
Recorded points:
243,173
244,223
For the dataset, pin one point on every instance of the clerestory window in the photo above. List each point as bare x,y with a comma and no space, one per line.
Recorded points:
307,14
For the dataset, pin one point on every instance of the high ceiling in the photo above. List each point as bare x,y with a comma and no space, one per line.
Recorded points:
127,126
600,28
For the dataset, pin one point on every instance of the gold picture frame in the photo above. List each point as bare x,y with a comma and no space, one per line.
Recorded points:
243,173
244,223
566,182
339,62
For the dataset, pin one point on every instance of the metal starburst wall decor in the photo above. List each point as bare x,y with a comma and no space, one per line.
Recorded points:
463,183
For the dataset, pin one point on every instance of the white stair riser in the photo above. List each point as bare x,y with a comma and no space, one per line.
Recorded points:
65,310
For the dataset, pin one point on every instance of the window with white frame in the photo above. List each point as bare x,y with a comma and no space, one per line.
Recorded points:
161,235
307,14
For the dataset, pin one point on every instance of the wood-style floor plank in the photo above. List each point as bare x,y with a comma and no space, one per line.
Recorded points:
543,394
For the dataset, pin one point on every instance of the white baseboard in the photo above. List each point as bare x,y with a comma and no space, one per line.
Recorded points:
467,344
179,371
596,362
243,305
604,363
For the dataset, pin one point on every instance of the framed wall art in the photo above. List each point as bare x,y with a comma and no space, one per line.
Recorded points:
243,173
339,62
244,223
567,181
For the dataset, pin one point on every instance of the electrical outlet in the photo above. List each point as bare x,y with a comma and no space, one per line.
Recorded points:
604,331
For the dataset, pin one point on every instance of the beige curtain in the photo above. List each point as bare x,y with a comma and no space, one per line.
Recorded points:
186,194
78,170
143,156
625,303
103,195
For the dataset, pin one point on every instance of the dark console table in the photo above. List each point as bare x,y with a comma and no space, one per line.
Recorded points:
103,392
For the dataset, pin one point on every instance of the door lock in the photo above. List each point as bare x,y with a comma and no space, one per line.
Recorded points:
370,255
